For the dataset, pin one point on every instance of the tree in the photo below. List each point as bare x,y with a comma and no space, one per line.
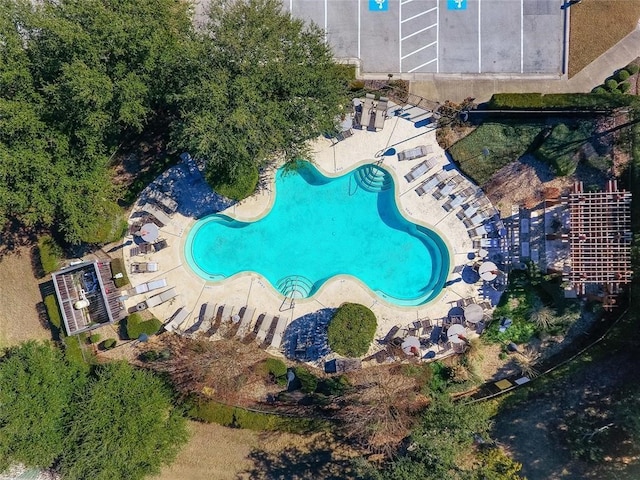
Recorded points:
351,330
37,388
124,426
266,84
76,78
112,422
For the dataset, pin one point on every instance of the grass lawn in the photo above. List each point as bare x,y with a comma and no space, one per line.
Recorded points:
596,26
506,142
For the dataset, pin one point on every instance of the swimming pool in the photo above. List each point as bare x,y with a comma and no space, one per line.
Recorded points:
321,227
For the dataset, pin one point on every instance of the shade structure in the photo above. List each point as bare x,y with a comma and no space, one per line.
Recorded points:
149,232
456,333
488,271
411,346
473,313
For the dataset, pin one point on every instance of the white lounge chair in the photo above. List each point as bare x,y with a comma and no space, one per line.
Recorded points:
245,322
417,171
276,341
265,326
176,319
414,153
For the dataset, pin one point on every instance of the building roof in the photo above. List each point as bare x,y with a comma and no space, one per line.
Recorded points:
90,281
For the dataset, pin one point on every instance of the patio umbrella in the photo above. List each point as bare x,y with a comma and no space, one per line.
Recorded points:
411,346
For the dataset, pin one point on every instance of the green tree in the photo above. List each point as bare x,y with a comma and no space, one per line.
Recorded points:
37,390
266,84
124,426
351,330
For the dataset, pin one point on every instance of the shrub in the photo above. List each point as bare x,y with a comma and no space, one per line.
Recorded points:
623,75
351,330
308,381
117,266
95,338
277,368
611,84
632,68
599,89
624,87
236,186
334,386
136,326
109,343
50,254
53,312
73,349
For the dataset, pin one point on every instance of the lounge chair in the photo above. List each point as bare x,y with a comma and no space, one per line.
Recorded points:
367,110
276,341
264,329
417,171
160,298
144,267
245,322
413,153
141,249
427,185
161,218
177,319
148,286
160,244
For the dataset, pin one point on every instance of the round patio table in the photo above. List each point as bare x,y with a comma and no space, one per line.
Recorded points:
473,313
149,232
455,332
488,271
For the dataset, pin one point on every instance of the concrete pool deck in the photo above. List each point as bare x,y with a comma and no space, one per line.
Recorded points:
248,289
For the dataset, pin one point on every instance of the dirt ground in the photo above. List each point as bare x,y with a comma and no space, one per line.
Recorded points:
222,453
21,300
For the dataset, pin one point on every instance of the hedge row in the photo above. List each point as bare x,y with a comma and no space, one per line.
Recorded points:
576,101
50,254
228,416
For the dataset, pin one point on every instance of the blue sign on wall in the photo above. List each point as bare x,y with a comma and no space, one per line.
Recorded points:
378,5
456,4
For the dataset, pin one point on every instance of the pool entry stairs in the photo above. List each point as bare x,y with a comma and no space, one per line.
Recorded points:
373,178
295,286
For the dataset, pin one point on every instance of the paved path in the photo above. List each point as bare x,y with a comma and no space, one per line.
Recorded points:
481,87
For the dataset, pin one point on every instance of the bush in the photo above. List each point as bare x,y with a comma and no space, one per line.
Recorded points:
73,349
117,266
624,87
559,148
50,254
334,386
351,330
95,338
632,68
599,89
136,326
109,343
236,186
213,412
623,75
53,312
308,381
577,101
277,368
611,84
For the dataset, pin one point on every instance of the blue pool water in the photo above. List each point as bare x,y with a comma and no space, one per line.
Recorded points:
321,227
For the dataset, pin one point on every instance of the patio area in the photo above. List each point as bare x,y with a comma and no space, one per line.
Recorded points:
429,191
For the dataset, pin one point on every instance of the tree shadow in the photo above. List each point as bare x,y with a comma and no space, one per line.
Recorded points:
315,460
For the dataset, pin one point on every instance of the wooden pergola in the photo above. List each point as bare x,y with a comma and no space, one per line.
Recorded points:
600,241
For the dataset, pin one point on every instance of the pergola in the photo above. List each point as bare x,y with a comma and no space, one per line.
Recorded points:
600,241
90,282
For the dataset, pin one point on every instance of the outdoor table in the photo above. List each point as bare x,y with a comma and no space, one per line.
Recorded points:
488,271
149,232
455,332
411,346
473,313
482,253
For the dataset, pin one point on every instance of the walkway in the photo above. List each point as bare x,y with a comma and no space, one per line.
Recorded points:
481,87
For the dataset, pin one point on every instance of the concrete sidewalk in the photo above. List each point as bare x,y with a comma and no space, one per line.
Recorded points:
481,87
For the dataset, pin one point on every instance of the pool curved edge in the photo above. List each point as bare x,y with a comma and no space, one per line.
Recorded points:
443,245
